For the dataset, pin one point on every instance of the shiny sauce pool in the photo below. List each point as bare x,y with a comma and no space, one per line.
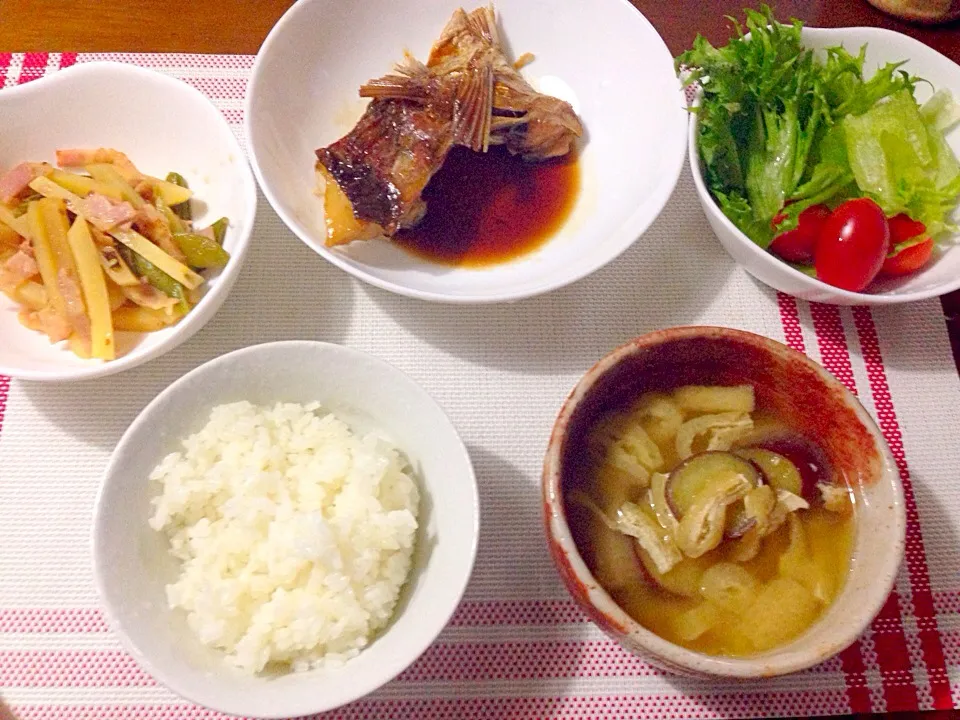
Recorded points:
488,208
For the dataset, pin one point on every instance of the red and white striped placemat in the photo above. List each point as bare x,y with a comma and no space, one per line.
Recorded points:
517,647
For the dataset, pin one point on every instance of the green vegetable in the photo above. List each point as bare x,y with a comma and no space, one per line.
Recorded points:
759,115
846,91
829,177
126,255
805,269
182,209
940,111
176,222
160,280
201,251
781,130
896,249
219,228
903,162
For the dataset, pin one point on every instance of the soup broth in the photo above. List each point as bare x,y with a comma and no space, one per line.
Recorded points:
785,531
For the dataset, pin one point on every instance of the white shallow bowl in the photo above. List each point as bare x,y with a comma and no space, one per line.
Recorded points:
132,564
163,124
603,57
939,278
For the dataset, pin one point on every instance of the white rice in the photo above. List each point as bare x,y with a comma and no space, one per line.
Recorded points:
295,534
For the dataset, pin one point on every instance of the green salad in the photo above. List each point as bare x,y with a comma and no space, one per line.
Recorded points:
789,138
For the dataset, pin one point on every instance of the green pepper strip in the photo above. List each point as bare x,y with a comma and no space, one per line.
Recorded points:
220,230
176,223
201,251
161,281
182,210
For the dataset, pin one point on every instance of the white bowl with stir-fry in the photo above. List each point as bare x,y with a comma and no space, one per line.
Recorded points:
526,146
124,219
721,505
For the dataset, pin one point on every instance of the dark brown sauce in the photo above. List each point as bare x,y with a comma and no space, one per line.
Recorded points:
487,208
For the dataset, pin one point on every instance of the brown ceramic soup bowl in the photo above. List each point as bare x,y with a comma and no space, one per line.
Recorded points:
810,401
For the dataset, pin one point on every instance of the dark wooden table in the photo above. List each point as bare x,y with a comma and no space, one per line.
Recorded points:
218,26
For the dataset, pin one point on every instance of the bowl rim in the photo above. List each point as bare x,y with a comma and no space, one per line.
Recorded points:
621,625
317,704
629,232
215,296
840,296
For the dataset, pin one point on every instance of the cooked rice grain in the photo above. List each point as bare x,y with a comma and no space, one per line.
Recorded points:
295,534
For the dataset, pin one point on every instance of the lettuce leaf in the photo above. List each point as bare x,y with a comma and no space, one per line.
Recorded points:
845,90
830,180
903,161
760,112
736,207
941,111
780,130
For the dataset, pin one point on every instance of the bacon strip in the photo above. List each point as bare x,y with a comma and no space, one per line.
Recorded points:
15,181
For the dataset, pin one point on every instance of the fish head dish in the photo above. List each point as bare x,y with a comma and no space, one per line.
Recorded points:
680,423
312,384
598,88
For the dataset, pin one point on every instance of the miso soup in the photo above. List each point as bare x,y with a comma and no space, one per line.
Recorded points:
710,522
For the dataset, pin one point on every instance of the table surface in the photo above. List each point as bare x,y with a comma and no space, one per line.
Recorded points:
198,26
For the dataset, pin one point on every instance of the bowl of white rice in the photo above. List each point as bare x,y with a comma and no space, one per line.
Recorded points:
285,529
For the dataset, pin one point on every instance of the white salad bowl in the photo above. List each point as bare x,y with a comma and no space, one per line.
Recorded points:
604,57
164,125
942,275
133,565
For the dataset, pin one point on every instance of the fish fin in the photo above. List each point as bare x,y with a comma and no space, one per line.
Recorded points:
473,115
412,81
411,67
483,23
445,44
523,60
396,87
501,123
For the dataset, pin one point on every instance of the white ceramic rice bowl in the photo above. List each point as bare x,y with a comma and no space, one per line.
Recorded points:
132,564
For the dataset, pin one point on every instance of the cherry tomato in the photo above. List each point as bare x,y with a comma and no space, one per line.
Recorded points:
910,259
903,227
853,244
797,245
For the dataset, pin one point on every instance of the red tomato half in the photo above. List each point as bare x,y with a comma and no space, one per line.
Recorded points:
797,245
903,227
909,259
853,244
